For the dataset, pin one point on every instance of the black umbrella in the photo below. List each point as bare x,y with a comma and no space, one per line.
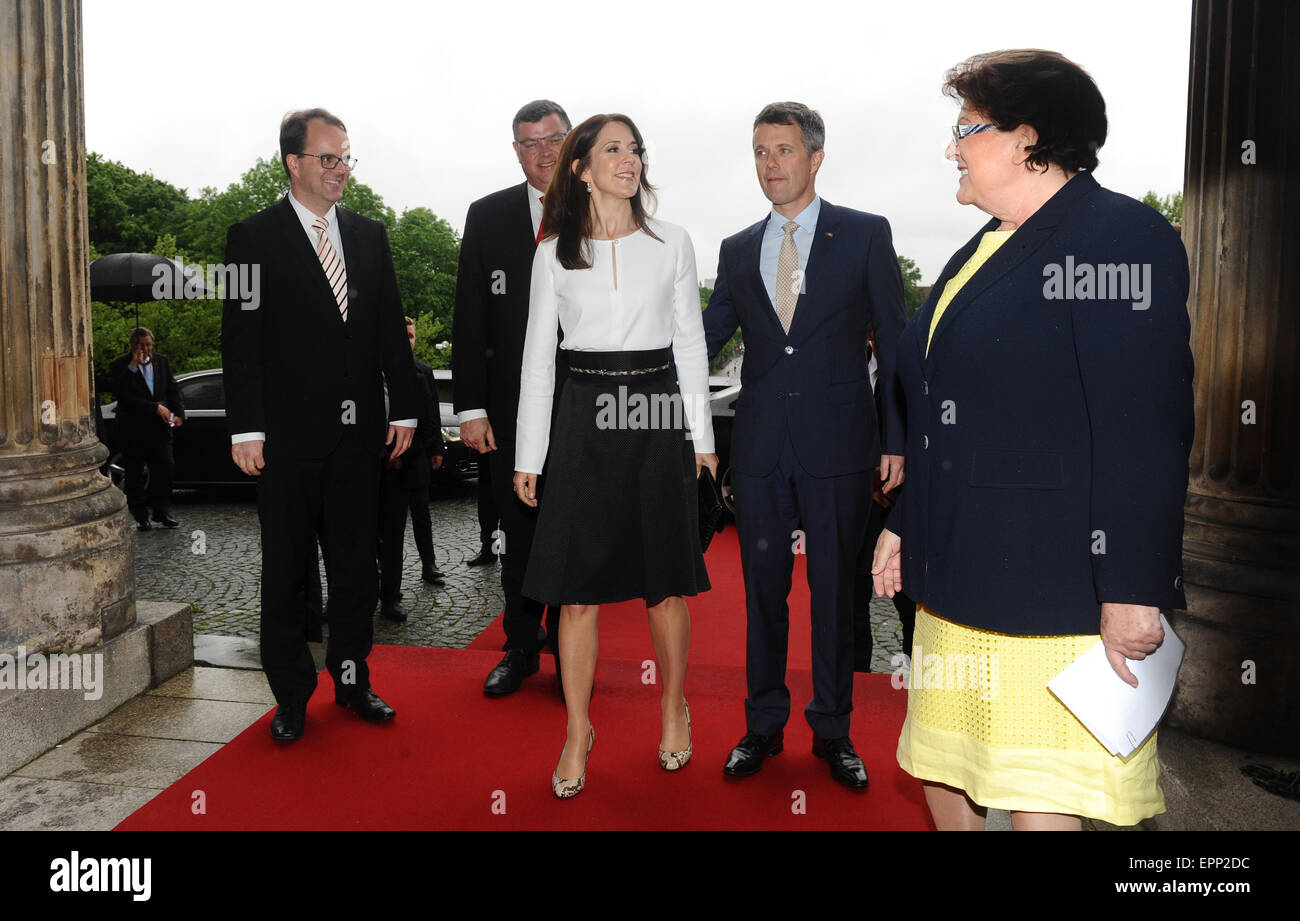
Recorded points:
137,277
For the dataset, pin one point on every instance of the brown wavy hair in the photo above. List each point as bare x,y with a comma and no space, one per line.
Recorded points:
566,213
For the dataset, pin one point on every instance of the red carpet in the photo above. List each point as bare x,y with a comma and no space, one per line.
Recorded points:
455,759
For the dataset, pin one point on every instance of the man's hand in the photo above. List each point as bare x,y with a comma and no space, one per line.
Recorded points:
247,456
887,564
399,436
526,488
477,433
437,462
706,460
1129,631
891,471
164,413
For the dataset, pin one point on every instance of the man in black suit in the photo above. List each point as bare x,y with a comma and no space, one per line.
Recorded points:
149,406
404,487
496,259
305,367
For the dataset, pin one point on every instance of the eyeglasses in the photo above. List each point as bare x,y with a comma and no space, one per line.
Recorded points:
965,131
329,161
534,144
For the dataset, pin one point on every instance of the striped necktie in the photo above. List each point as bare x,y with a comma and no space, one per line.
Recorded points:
335,273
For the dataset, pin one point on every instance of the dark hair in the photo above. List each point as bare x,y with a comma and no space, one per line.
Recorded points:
1043,89
293,131
535,111
567,210
810,123
139,333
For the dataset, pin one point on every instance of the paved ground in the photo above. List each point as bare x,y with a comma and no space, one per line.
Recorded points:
213,562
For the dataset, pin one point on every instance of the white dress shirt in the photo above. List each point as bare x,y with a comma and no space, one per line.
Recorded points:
654,304
309,217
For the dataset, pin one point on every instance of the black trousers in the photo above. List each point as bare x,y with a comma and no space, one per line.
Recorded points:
156,455
394,500
487,504
417,500
831,513
524,616
298,498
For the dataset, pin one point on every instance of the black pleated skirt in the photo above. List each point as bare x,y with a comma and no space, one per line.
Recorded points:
618,516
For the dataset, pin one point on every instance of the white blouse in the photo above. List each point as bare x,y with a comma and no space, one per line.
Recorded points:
640,293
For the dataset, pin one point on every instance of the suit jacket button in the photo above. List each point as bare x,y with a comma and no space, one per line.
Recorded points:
925,442
925,386
789,349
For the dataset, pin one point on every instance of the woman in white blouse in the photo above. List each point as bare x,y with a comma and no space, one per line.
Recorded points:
619,517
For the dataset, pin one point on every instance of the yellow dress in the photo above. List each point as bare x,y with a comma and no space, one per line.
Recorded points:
980,717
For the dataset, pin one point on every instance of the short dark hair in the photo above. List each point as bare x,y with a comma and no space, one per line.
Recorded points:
139,333
535,111
1029,86
567,210
293,131
809,121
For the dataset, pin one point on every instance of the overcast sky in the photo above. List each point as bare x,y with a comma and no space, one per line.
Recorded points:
193,92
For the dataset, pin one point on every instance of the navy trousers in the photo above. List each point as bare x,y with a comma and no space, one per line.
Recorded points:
826,517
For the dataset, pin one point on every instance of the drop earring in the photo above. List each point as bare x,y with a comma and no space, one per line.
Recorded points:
589,188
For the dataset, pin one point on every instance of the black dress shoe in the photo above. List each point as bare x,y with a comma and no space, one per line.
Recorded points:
511,672
288,723
366,704
846,766
166,520
747,757
430,573
392,610
484,557
142,524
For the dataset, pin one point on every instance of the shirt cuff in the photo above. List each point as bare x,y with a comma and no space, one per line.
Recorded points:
467,414
247,436
405,423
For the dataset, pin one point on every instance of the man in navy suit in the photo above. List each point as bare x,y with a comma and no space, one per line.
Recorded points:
806,284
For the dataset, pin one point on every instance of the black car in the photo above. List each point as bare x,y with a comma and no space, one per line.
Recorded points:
201,445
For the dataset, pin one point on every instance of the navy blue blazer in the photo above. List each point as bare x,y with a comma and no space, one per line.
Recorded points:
812,384
1048,436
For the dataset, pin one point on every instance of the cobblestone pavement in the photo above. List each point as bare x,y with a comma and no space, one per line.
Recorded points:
213,562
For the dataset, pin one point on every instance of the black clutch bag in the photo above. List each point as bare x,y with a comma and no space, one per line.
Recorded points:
712,511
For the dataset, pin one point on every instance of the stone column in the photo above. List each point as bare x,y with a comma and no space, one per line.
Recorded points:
67,577
1240,682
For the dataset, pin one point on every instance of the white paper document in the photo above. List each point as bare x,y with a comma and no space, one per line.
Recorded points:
1119,715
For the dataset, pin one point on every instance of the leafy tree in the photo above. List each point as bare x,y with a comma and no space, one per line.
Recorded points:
1171,206
214,212
430,333
913,297
425,253
126,210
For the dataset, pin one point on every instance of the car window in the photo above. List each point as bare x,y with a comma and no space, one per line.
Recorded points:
206,392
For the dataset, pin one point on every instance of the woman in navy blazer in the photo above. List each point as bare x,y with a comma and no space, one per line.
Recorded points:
1049,417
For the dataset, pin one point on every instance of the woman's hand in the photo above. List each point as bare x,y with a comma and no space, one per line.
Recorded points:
1129,631
706,460
526,488
887,564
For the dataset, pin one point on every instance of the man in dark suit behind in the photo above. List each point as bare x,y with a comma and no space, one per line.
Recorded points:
149,406
305,367
404,487
807,284
496,260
